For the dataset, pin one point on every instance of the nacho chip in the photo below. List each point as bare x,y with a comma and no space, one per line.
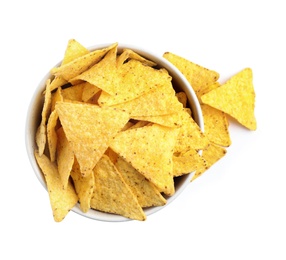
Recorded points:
236,98
52,135
88,91
190,135
187,162
216,126
56,96
160,101
73,50
182,97
89,129
131,80
211,155
65,157
41,137
146,193
149,149
62,200
111,194
73,93
130,54
199,77
84,186
79,65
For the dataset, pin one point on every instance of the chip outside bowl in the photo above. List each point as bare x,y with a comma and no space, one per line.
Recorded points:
34,115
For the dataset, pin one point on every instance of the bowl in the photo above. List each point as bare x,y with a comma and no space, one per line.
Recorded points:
33,121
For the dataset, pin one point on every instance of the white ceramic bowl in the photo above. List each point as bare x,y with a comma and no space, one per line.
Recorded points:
33,120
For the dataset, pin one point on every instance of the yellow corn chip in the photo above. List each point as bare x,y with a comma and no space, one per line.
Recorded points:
160,101
62,200
216,126
73,50
52,135
89,129
146,193
88,91
187,162
236,98
131,80
149,149
79,65
73,93
83,185
190,135
211,155
198,76
41,137
111,194
130,54
65,157
182,97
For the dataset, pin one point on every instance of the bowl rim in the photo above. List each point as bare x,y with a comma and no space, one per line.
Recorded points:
37,101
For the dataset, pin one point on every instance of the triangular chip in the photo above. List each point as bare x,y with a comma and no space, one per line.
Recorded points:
198,76
73,50
236,98
187,162
73,93
79,65
111,194
89,129
41,134
159,101
102,74
190,135
147,194
149,149
131,80
65,157
130,54
62,200
52,134
216,126
211,155
83,185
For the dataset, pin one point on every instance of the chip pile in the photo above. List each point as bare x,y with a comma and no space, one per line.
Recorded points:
114,135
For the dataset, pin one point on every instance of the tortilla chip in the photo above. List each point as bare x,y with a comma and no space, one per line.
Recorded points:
216,126
130,54
73,93
111,194
77,66
211,155
160,101
131,80
146,193
199,77
236,98
41,137
52,135
65,157
62,200
88,91
149,149
84,186
89,129
188,162
190,135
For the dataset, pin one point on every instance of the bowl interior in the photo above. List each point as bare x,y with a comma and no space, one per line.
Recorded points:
180,84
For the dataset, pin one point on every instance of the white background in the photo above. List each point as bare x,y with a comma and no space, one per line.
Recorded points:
236,210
